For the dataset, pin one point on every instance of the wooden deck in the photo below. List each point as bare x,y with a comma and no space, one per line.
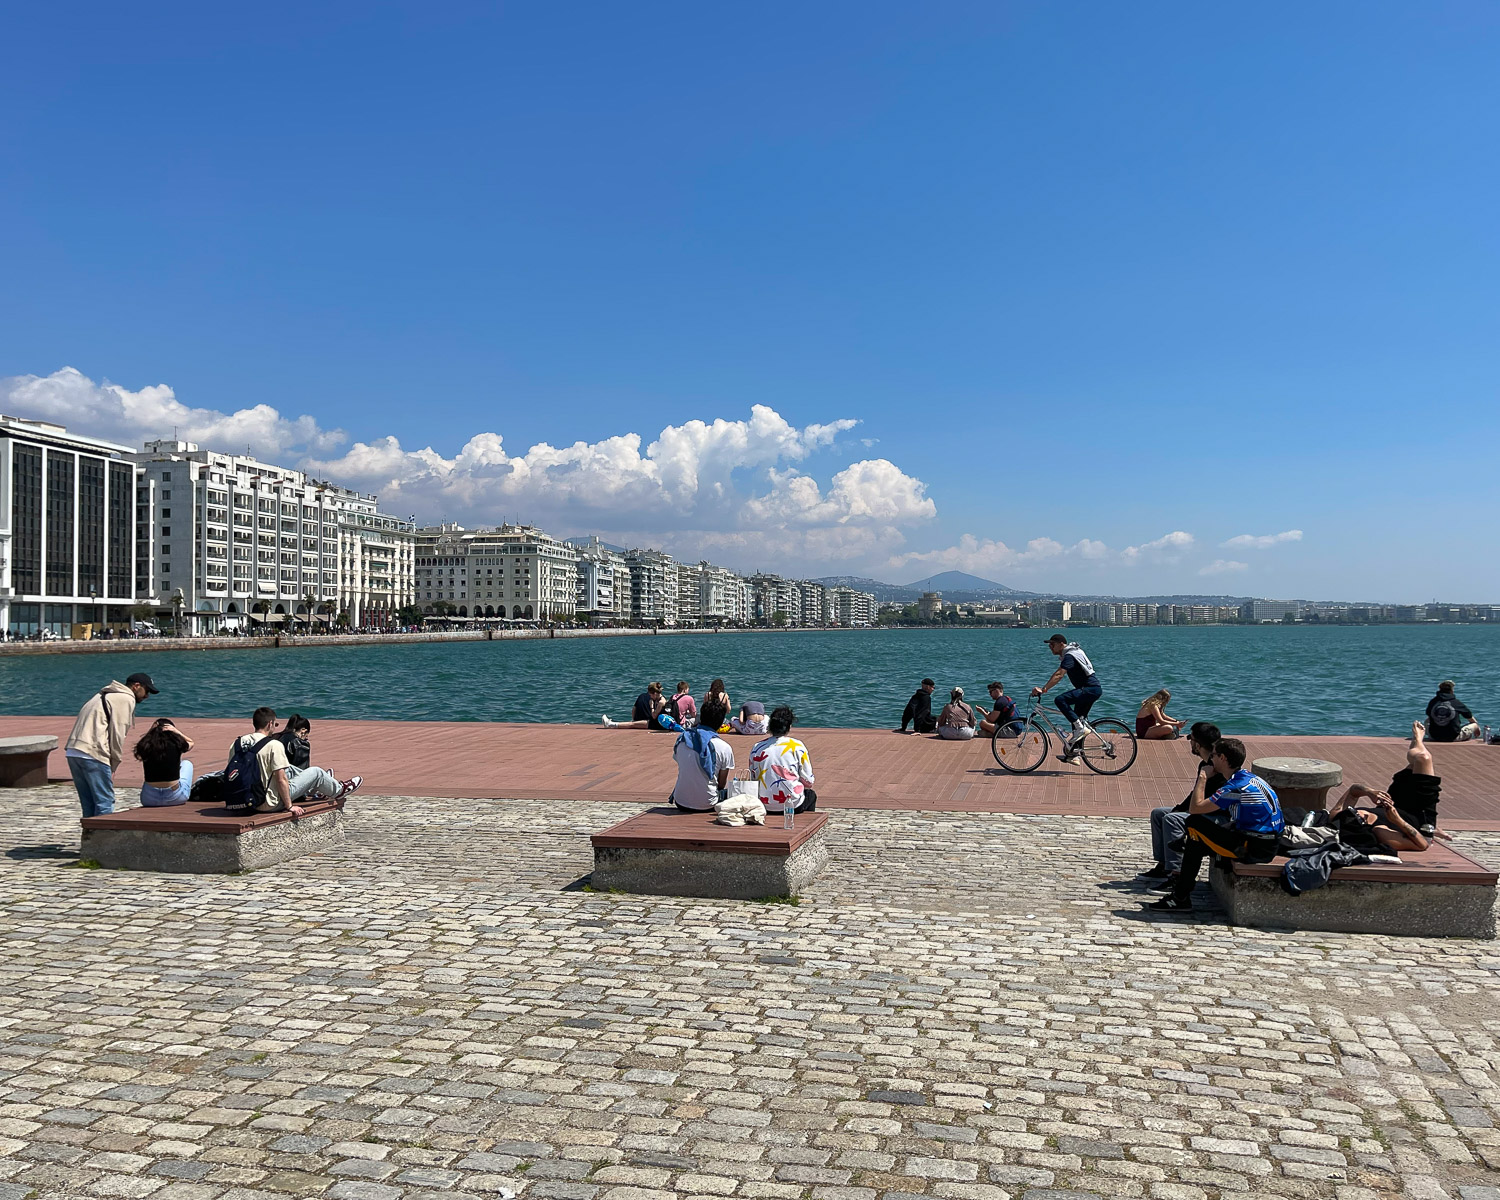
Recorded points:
856,768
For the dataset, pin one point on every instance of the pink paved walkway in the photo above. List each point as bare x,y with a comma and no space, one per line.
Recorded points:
855,768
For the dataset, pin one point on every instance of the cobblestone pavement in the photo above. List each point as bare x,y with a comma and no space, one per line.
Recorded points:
969,1007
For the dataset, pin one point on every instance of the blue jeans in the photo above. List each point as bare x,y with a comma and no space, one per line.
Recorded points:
1075,705
303,782
165,797
1167,827
96,785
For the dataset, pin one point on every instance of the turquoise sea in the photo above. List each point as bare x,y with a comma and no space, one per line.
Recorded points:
1267,679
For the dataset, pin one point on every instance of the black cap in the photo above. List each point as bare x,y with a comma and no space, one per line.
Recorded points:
144,680
1056,637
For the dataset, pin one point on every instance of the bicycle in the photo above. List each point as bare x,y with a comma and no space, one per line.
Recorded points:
1021,745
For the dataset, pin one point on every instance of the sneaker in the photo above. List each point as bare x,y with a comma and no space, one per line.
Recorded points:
1075,739
1163,885
1171,904
1159,871
349,785
608,724
1070,758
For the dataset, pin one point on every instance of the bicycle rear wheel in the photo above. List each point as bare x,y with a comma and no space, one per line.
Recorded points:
1019,746
1110,749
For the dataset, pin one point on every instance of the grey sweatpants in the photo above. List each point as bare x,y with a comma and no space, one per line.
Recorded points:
1167,827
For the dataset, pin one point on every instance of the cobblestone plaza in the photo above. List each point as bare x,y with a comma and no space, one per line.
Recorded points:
969,1006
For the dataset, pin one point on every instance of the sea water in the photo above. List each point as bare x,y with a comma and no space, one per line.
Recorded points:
1249,679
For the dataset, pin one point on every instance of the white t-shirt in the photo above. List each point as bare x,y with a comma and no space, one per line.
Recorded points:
694,789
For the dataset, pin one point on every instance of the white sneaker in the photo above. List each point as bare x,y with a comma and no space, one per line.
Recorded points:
608,724
349,785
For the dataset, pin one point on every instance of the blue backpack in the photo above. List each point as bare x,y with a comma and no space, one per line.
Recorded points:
243,786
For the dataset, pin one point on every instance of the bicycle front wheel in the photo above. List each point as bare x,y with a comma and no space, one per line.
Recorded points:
1019,747
1110,749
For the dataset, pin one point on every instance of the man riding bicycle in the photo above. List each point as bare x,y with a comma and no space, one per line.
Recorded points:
1075,703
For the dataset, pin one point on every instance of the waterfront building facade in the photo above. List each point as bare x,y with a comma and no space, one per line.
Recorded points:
68,529
603,579
653,587
235,541
514,571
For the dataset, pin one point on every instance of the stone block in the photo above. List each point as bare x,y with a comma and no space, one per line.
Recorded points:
212,853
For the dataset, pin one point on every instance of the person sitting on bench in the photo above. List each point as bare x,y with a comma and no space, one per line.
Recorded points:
283,784
169,776
1249,834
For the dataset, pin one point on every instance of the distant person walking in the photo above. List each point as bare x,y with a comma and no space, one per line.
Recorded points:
97,744
918,711
1074,704
1449,718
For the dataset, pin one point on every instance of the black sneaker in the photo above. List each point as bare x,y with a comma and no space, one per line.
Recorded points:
1163,885
1159,871
1171,904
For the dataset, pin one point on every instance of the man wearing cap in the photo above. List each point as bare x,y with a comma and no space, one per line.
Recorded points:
97,743
1075,703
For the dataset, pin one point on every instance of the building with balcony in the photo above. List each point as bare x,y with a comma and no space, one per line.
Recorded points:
68,530
515,572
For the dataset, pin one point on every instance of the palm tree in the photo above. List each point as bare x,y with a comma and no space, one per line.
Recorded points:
262,607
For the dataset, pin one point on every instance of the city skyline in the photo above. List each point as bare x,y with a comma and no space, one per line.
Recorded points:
1160,300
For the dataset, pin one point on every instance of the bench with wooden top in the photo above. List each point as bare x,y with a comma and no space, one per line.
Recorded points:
1437,892
205,839
23,760
668,852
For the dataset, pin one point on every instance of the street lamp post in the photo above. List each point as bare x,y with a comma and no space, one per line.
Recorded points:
94,607
177,603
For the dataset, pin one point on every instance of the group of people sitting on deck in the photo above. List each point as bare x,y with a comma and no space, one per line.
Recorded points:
1232,813
660,714
96,745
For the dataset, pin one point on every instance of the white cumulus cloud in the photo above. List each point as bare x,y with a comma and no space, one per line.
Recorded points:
1223,566
739,488
107,410
1264,541
1167,548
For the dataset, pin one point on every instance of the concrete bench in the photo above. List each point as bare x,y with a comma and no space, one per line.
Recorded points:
23,760
203,839
1440,892
666,852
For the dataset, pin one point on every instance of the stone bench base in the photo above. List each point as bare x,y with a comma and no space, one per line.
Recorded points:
23,760
1439,893
664,852
191,839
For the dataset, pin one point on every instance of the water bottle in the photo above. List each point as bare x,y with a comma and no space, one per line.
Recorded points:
788,813
1486,739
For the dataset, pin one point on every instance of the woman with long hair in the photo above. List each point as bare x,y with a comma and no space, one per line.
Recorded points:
1152,722
169,776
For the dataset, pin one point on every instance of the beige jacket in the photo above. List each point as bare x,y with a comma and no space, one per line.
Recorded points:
103,738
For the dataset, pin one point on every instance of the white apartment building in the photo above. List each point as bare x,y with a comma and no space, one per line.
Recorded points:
774,596
603,578
235,539
723,597
689,595
68,529
653,587
515,571
849,607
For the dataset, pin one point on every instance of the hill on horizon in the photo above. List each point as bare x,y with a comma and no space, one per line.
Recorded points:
957,581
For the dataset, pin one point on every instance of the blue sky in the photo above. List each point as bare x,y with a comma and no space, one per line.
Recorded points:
1105,287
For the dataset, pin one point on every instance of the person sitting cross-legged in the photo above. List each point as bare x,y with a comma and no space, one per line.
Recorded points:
956,722
1249,834
1003,712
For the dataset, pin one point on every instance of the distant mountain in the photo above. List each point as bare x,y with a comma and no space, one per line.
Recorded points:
960,581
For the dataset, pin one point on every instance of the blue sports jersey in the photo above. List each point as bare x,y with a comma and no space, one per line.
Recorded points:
1253,806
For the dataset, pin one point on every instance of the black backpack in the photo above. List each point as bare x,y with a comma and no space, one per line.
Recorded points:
243,786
